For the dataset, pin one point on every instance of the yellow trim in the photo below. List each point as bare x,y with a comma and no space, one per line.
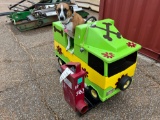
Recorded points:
102,81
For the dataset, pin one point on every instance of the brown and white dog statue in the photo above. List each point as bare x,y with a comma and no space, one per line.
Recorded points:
69,19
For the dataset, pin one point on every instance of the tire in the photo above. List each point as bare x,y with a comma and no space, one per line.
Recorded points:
94,94
124,83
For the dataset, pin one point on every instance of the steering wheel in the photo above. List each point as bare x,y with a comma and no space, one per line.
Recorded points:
92,19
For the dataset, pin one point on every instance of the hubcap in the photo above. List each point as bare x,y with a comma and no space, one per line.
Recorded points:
60,62
127,84
94,94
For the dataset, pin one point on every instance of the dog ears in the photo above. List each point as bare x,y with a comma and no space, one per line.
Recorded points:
71,8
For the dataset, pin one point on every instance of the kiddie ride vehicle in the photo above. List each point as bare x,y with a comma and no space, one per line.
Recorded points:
106,63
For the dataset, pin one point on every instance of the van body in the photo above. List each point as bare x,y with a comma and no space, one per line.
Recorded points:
108,59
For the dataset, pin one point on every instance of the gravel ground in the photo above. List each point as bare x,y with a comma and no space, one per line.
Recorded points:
30,88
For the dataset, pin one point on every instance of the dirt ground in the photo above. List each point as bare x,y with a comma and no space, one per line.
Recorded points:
30,88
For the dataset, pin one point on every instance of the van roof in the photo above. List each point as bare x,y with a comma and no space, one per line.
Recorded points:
105,41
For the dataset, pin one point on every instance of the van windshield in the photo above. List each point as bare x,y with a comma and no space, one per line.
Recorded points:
122,64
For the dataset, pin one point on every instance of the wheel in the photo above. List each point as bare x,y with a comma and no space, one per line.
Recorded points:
92,19
39,23
124,83
93,93
60,62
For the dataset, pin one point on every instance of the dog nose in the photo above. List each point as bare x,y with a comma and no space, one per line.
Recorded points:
61,18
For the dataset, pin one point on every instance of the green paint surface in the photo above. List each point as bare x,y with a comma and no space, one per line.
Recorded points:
92,40
101,92
18,16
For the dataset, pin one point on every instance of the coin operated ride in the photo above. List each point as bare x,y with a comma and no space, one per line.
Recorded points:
108,60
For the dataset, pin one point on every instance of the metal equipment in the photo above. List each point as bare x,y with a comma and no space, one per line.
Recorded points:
37,15
25,5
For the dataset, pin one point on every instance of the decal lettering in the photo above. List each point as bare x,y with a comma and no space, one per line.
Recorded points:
79,92
76,87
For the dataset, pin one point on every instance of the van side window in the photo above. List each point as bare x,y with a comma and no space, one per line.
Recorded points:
96,63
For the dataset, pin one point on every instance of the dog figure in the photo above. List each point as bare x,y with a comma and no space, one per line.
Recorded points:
69,20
